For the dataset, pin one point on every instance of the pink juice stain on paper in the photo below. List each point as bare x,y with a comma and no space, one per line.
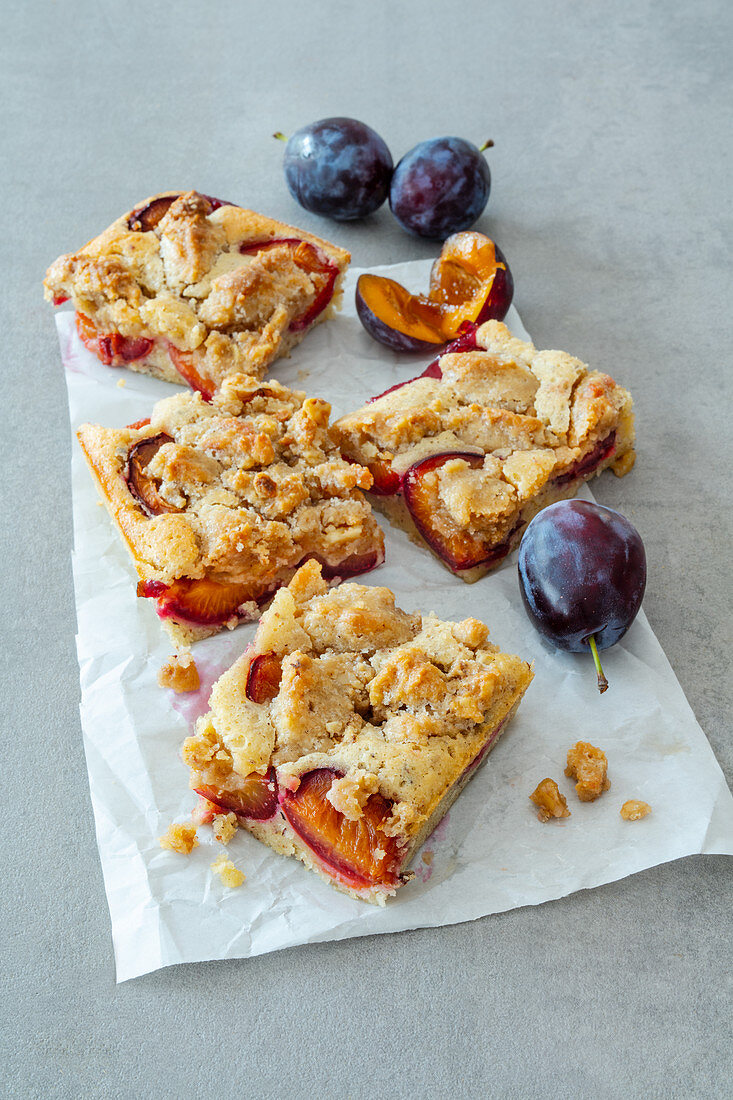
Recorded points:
72,353
193,704
424,869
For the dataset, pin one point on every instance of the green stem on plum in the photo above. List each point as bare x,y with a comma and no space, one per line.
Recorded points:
280,136
486,145
602,681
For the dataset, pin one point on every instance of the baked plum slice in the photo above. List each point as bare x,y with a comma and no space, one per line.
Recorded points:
112,349
351,566
255,801
458,549
309,259
144,488
263,677
470,282
185,363
203,602
586,465
356,853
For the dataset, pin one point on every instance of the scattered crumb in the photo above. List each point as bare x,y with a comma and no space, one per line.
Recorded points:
225,826
229,874
180,673
121,383
427,858
99,503
204,811
634,809
589,766
180,838
549,801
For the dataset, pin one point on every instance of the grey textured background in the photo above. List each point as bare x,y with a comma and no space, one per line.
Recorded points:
611,199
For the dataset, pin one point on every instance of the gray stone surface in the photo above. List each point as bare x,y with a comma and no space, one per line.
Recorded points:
612,199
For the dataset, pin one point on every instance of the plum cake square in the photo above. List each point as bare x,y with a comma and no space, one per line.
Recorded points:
219,502
493,431
191,289
348,728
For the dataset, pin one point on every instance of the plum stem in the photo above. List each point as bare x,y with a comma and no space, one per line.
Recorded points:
486,145
279,135
602,681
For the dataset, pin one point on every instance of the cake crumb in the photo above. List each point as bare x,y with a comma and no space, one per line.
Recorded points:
225,826
427,858
634,809
230,875
121,383
589,766
549,801
179,838
180,673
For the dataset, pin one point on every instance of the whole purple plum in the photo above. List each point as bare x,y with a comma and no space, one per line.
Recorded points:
582,574
338,167
440,187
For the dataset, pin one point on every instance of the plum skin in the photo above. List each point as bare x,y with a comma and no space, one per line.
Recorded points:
440,187
582,572
338,167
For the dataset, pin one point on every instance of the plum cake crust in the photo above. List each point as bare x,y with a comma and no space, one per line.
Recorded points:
191,289
219,502
465,455
347,729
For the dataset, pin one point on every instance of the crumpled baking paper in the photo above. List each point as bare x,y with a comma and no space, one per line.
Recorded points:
489,854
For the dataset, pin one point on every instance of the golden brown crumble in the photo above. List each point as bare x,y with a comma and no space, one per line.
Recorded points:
531,416
257,476
230,875
397,703
548,800
180,838
185,282
180,673
634,809
589,766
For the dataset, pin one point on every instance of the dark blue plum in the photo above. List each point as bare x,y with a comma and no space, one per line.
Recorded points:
338,167
582,572
440,187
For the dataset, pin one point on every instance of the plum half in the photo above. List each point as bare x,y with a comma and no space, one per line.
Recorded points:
582,575
470,282
263,677
356,853
143,487
458,549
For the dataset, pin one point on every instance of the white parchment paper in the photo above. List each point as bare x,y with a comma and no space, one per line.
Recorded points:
489,854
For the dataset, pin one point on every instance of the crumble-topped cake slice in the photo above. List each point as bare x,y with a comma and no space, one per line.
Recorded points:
347,729
492,432
219,502
191,289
